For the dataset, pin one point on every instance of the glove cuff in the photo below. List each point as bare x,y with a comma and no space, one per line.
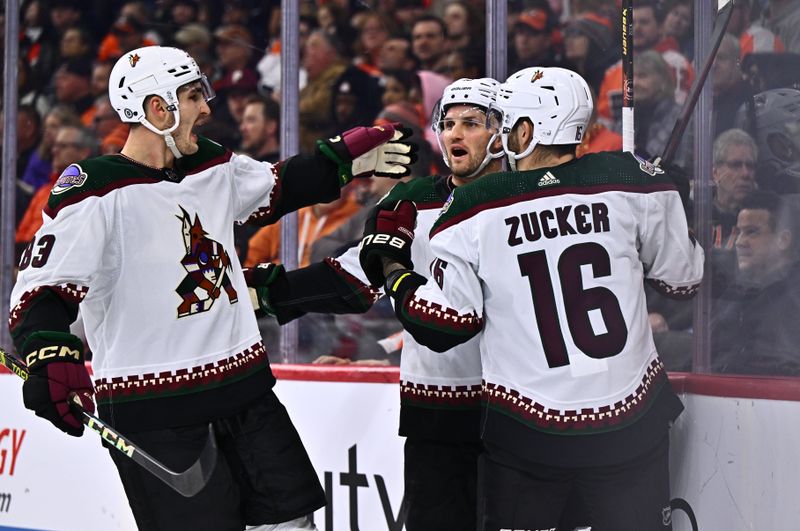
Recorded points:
399,281
344,167
47,346
258,280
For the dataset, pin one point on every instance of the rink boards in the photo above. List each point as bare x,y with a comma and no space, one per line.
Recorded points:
734,453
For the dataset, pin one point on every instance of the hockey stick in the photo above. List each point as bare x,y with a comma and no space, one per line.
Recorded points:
187,483
723,18
628,132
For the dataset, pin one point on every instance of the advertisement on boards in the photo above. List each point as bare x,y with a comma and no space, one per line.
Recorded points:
732,459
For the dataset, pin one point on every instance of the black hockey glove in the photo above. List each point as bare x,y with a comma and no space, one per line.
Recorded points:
56,375
259,279
388,233
381,150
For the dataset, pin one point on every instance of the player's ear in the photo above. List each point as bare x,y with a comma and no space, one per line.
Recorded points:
524,132
156,109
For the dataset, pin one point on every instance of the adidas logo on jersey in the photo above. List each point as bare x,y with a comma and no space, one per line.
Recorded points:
548,179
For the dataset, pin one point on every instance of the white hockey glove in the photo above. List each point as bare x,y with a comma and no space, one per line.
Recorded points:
381,150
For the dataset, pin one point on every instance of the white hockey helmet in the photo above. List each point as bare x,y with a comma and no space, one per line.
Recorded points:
480,93
556,100
153,70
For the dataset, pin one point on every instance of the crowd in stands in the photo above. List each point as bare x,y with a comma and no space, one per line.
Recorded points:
374,61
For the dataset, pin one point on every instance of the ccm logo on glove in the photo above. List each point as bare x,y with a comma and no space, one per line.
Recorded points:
55,351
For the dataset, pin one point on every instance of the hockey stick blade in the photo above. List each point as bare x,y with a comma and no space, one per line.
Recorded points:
723,18
187,483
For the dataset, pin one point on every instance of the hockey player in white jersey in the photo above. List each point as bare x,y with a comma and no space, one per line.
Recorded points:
143,243
439,393
545,266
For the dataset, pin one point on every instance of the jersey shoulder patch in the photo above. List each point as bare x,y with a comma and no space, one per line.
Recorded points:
93,177
72,177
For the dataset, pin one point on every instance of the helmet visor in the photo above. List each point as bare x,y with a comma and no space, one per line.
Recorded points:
208,91
446,124
494,119
468,117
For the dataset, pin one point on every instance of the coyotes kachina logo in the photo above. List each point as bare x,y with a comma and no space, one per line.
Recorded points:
133,59
207,266
537,76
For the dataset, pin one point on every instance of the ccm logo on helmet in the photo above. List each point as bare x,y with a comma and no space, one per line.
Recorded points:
55,351
382,239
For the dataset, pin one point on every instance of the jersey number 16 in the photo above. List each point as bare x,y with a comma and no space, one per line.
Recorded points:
578,303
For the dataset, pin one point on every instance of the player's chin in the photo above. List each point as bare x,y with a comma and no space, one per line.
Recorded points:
463,167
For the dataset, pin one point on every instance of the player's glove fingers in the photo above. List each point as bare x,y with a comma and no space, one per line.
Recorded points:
57,373
396,160
393,169
401,132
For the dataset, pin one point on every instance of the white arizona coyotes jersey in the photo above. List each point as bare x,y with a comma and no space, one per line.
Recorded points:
429,380
546,268
150,258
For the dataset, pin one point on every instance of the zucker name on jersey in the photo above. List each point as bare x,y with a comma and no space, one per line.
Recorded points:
545,265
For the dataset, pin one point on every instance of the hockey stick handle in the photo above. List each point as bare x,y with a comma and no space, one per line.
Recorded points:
628,129
184,483
694,93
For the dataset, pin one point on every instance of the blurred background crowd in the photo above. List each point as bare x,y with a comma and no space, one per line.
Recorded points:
374,61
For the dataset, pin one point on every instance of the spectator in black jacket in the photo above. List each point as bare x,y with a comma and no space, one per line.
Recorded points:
754,328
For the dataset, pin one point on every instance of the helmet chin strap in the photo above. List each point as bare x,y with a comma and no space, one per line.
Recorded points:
170,141
167,133
488,158
513,156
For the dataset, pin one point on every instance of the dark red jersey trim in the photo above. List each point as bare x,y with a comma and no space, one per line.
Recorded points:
440,395
181,381
430,205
